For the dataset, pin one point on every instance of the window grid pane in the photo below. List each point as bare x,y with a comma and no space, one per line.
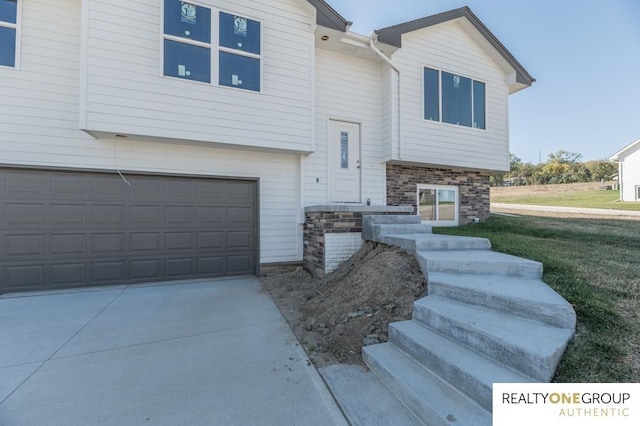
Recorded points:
427,204
239,33
7,47
9,11
456,99
239,71
186,20
431,95
186,61
479,105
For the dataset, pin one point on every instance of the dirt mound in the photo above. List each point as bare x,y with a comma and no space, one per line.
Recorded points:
335,316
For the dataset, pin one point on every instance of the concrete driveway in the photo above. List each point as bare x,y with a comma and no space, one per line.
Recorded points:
213,352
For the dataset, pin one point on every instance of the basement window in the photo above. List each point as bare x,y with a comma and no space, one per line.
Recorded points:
438,205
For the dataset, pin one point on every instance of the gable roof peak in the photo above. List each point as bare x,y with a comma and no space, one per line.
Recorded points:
393,36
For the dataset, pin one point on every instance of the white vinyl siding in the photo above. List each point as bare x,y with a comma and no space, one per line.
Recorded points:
39,122
125,91
630,178
347,89
448,47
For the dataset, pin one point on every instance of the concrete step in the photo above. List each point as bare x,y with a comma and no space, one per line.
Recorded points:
530,347
364,399
478,262
413,243
424,393
407,228
466,370
393,219
526,298
370,232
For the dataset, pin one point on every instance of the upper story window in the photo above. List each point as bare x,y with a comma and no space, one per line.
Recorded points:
8,31
194,50
454,99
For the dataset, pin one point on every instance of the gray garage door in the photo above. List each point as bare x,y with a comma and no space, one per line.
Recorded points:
63,229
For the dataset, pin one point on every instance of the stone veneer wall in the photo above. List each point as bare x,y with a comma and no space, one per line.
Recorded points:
402,181
338,219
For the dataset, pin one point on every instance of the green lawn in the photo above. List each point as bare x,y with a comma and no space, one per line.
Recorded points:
594,264
590,198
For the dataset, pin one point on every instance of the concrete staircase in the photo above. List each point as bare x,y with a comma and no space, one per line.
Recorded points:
488,318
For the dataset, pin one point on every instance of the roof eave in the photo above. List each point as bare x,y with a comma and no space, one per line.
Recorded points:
327,16
624,152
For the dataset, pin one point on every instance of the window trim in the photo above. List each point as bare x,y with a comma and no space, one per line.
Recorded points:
437,222
440,121
18,27
214,47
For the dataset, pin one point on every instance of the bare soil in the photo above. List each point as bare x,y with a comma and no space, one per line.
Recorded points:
333,317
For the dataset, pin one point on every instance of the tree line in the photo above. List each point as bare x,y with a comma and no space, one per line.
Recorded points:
560,167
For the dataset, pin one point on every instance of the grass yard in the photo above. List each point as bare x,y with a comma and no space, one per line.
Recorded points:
587,198
595,265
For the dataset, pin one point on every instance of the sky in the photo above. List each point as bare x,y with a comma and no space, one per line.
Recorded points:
584,55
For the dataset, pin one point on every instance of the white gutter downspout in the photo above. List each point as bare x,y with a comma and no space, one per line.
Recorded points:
385,58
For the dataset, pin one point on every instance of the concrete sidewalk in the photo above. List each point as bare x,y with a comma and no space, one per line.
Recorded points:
497,207
207,352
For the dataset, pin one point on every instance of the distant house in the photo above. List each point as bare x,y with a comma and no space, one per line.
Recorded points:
165,140
628,159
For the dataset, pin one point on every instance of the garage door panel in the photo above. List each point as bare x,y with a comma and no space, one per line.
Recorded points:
108,271
25,277
109,188
69,186
108,243
24,184
103,215
146,215
176,190
211,216
24,245
146,269
145,241
239,264
24,214
176,268
240,240
68,275
240,216
211,240
68,244
68,214
211,266
180,215
62,229
178,240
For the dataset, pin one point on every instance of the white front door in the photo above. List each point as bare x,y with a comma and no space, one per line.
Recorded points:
344,162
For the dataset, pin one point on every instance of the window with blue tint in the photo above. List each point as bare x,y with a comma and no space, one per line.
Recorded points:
478,105
8,29
186,20
7,47
431,95
239,71
187,61
239,33
9,11
456,99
